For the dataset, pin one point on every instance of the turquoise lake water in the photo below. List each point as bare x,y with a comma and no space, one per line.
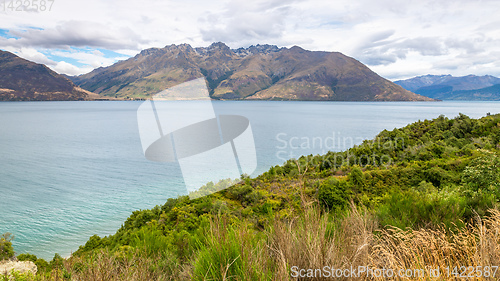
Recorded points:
69,170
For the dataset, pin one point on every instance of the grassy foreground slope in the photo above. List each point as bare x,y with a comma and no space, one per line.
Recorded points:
422,196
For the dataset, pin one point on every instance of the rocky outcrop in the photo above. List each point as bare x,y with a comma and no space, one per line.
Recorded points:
6,267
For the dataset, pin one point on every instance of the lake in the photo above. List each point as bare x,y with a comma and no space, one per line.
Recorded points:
69,170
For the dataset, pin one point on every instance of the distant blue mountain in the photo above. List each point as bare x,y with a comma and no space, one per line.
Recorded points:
489,93
447,87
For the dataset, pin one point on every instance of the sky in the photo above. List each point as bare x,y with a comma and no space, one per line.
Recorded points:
398,39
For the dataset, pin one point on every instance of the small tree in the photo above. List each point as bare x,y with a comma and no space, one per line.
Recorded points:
6,249
482,175
356,176
334,194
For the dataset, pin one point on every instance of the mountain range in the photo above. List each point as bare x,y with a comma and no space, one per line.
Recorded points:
25,80
447,87
263,72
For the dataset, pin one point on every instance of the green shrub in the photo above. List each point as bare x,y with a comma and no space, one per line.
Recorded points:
27,257
6,249
356,176
238,192
333,194
152,241
42,265
57,262
422,206
482,175
226,253
94,242
17,276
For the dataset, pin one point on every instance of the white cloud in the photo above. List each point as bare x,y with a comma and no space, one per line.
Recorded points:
78,34
67,68
247,22
395,38
88,60
94,58
33,55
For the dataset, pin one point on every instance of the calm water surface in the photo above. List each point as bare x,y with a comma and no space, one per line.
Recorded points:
69,170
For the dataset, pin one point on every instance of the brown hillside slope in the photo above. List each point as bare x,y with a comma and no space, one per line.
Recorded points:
257,72
24,80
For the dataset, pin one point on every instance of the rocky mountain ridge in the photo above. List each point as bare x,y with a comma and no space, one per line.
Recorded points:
23,80
263,72
448,87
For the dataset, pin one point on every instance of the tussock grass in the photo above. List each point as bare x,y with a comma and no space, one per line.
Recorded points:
315,240
231,253
311,240
476,245
107,266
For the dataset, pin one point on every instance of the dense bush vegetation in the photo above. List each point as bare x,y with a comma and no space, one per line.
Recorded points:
432,175
6,249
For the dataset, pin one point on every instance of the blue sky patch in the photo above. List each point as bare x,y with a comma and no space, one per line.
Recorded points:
71,55
57,58
6,34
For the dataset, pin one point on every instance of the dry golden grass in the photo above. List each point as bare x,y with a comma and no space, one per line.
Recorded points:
474,247
313,241
106,266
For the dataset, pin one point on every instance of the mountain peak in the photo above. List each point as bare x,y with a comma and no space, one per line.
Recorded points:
147,52
219,46
25,80
183,46
257,72
257,49
297,49
6,55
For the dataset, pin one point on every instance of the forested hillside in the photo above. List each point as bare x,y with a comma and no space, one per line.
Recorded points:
415,197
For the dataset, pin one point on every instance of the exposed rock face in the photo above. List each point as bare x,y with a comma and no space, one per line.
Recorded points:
256,72
6,267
